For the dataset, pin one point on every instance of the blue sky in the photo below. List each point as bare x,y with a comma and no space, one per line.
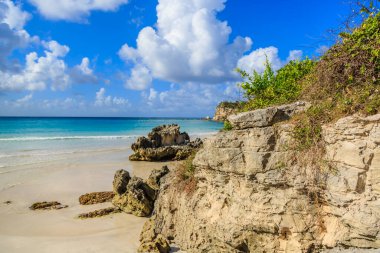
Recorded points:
148,58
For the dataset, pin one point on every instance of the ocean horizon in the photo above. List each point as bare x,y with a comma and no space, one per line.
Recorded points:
35,140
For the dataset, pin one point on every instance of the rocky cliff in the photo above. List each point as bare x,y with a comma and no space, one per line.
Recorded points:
225,109
253,194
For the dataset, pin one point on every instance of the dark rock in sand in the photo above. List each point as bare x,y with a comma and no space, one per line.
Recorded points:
8,202
47,205
99,213
95,198
139,196
164,143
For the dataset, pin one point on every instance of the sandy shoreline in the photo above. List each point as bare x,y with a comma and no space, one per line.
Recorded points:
24,230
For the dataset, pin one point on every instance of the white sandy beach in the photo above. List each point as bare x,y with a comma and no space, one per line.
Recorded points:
23,230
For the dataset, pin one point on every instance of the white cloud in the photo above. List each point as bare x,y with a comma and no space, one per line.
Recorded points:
84,67
24,100
102,100
321,50
39,72
13,15
185,99
12,34
257,58
189,45
74,10
140,78
128,54
83,73
294,55
152,94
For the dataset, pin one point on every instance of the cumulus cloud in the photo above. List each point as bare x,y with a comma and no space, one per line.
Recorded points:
13,15
83,73
257,58
140,78
294,55
128,54
39,71
194,99
189,45
74,10
102,100
12,34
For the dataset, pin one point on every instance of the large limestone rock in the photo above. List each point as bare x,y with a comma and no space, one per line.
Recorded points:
266,117
249,198
134,195
164,143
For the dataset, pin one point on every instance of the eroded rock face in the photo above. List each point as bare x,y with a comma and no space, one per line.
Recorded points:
151,241
224,110
249,199
164,143
134,195
121,181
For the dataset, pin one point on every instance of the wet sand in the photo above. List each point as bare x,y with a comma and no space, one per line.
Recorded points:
24,230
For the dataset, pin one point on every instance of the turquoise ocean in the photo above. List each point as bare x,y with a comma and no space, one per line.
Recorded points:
29,140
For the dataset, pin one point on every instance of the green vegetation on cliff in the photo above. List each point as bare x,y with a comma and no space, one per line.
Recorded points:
343,82
270,88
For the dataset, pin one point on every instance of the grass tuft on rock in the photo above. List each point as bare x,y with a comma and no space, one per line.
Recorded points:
186,174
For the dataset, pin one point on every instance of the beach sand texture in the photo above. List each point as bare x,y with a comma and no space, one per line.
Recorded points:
24,230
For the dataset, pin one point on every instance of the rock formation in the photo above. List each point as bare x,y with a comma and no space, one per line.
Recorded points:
225,109
164,143
250,198
134,195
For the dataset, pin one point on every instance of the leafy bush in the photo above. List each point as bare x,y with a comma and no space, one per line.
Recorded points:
227,126
270,88
232,105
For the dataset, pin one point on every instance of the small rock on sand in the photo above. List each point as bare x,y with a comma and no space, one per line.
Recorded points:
99,213
47,205
95,198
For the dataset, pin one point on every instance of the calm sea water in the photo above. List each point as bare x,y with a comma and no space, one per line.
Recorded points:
26,141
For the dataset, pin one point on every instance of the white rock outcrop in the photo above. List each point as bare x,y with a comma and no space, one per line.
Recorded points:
250,198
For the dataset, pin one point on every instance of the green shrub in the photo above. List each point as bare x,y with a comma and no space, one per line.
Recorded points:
231,105
227,126
270,88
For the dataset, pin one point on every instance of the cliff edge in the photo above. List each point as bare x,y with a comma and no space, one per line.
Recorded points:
254,192
225,109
